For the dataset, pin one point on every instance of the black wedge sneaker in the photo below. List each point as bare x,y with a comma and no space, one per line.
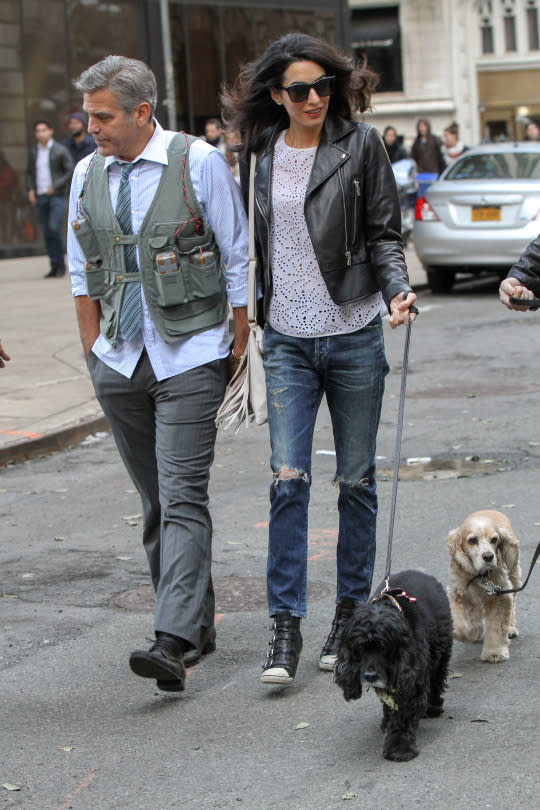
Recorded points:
284,650
329,652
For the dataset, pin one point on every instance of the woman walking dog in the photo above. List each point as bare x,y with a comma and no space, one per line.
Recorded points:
327,228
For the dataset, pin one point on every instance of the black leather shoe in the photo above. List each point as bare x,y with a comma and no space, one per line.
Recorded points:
284,650
51,273
329,652
207,645
60,271
163,661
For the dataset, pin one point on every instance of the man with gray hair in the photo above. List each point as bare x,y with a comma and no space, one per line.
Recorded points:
157,247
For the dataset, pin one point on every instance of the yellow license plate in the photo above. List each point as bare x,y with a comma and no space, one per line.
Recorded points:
486,213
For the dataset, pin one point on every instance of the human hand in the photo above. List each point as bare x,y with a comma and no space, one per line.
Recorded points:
512,287
401,308
32,197
241,331
3,355
241,335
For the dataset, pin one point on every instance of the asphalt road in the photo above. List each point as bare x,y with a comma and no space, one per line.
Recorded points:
80,731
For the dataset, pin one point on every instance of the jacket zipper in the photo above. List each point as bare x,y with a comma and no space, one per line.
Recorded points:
348,256
356,184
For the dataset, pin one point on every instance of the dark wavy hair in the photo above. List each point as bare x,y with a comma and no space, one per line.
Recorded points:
248,109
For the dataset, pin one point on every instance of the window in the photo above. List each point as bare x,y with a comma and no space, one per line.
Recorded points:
376,37
532,29
486,26
496,166
487,39
510,33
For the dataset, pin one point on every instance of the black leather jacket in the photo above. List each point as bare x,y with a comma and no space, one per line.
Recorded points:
61,166
527,267
352,213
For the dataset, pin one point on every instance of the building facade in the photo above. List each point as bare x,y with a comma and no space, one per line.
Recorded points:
476,62
193,46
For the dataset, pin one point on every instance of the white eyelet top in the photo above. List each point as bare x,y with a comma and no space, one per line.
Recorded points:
301,304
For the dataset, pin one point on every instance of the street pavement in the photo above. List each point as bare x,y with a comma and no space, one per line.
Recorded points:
47,398
80,732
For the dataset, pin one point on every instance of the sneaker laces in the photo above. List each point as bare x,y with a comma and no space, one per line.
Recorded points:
166,646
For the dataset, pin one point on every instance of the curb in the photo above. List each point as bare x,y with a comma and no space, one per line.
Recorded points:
52,442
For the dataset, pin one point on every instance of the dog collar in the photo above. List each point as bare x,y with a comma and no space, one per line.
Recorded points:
484,582
392,594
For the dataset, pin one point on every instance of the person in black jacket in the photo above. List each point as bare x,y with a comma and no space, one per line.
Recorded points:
327,228
394,147
426,150
80,143
47,179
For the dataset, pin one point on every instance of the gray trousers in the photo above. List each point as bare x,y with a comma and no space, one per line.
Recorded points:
165,433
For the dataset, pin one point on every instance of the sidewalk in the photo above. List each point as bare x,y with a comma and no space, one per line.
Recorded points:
47,398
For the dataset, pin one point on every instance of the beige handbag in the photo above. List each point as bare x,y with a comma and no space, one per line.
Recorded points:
245,395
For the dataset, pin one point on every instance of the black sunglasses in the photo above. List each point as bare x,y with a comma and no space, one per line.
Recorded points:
299,91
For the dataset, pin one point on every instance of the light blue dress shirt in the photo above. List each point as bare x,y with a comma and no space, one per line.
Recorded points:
219,196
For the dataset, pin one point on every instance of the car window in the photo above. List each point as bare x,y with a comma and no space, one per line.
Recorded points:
496,166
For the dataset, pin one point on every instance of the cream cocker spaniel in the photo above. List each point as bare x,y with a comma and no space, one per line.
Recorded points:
484,551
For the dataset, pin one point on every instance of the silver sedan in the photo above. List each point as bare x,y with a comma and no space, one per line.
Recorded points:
480,214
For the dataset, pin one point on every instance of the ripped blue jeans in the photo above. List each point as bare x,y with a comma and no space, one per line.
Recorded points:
350,369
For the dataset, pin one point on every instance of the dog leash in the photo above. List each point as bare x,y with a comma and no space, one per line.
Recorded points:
496,590
397,454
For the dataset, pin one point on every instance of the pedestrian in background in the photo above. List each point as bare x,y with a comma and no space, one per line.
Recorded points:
47,179
327,226
8,198
213,134
3,355
532,132
452,146
426,150
394,147
223,142
156,217
79,144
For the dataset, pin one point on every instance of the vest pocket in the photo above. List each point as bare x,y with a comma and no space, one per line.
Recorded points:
204,274
170,285
183,276
95,279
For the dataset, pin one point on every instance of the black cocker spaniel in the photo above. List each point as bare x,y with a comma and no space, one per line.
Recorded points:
400,644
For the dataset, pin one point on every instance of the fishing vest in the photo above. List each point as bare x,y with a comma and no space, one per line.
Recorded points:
180,265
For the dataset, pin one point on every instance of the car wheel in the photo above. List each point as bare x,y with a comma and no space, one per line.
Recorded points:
440,279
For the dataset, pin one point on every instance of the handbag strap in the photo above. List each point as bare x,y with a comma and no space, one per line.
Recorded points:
252,274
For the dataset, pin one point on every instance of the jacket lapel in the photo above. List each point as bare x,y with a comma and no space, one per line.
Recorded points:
330,156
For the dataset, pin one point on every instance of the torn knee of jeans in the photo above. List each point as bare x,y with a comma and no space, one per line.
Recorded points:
363,482
287,474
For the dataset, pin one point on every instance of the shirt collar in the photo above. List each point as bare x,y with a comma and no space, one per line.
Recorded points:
155,150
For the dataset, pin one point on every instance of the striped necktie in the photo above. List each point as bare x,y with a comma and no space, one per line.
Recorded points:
130,312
